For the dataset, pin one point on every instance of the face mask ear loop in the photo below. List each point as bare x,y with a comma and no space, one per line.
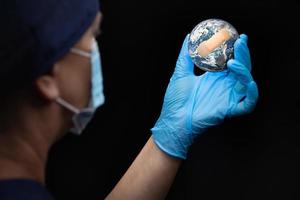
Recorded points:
81,53
67,105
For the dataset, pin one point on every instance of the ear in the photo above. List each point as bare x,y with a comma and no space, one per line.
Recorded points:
47,87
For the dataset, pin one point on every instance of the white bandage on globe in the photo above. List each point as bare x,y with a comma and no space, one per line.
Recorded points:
211,44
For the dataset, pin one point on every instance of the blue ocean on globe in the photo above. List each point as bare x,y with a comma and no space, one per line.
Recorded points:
214,39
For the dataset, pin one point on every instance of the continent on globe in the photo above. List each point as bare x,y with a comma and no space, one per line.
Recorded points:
211,44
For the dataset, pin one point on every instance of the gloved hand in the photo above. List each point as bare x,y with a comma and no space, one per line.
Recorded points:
193,103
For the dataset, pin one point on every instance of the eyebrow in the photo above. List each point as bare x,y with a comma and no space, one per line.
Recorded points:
97,30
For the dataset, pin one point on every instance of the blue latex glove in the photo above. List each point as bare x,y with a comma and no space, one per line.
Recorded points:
194,103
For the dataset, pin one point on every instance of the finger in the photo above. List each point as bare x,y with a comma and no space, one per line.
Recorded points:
248,104
241,51
184,65
244,38
240,71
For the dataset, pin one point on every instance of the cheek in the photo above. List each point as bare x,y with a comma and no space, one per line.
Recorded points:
77,82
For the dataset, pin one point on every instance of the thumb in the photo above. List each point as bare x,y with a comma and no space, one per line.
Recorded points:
184,64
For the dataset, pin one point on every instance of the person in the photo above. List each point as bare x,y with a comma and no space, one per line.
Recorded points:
51,82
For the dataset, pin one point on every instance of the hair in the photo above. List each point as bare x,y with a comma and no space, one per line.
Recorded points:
12,102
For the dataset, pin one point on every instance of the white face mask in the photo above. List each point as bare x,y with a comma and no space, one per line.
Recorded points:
83,116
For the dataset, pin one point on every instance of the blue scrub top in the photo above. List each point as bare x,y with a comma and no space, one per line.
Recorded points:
23,190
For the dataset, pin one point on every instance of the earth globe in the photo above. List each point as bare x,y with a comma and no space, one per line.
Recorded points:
211,44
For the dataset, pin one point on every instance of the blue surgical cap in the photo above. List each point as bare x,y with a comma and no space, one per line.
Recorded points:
37,33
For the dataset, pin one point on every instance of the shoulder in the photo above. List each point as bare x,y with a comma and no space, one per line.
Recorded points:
23,189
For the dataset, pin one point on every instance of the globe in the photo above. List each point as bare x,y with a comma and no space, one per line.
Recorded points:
211,44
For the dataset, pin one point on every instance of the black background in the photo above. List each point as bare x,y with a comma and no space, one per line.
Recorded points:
250,157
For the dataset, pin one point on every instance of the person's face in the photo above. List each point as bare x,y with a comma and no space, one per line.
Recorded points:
73,72
70,78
